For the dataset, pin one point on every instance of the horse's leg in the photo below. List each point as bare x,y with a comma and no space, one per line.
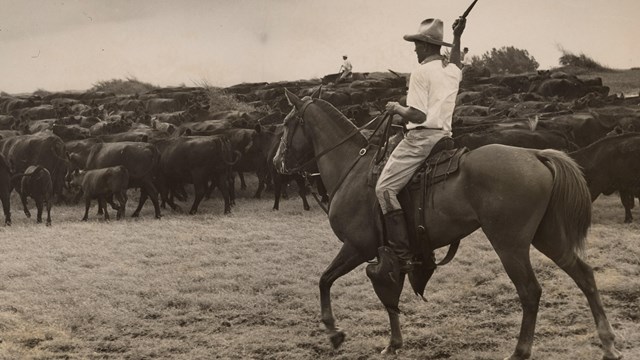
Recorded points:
582,274
347,259
517,264
390,297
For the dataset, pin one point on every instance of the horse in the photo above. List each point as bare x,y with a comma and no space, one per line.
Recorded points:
519,197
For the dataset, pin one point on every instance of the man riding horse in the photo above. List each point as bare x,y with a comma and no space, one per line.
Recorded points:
431,98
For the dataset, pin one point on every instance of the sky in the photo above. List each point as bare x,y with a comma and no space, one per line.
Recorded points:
72,44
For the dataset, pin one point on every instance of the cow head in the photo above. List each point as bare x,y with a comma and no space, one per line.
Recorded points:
75,178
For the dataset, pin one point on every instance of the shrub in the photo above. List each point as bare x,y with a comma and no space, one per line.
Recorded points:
507,59
41,92
582,61
129,86
219,100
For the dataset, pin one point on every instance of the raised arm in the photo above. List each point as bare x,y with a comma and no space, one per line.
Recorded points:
458,29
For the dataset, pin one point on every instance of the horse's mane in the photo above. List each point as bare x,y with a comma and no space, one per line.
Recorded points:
339,119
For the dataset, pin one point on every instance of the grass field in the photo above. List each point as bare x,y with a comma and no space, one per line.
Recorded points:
620,81
245,286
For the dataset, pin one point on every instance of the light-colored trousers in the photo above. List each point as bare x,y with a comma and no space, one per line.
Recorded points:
344,74
403,162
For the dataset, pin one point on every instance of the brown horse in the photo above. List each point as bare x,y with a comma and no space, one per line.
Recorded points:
519,197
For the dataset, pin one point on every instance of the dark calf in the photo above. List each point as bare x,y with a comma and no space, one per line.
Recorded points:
102,184
36,183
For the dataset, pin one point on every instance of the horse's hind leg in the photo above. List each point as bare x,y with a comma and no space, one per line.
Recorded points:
517,264
347,259
582,274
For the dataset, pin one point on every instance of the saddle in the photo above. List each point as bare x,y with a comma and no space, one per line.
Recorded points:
443,160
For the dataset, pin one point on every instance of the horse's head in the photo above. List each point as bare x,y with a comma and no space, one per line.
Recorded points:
296,147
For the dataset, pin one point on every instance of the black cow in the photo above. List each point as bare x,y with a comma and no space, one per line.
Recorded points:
252,144
195,160
536,139
70,132
103,184
611,164
586,127
36,183
46,150
139,158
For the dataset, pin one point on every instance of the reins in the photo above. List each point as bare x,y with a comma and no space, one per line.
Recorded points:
363,151
353,133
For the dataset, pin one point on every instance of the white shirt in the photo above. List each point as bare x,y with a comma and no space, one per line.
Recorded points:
433,90
466,59
347,66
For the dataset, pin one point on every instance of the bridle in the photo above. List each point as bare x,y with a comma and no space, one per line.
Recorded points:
299,114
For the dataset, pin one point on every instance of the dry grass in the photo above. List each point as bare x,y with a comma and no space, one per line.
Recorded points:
622,81
619,81
245,286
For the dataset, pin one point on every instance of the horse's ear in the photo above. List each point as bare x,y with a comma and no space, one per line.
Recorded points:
293,99
318,93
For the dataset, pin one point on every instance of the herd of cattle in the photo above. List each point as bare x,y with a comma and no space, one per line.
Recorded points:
58,146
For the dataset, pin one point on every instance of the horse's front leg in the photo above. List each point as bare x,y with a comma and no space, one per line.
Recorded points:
395,341
346,260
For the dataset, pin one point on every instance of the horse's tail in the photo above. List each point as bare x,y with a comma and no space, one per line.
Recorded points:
569,209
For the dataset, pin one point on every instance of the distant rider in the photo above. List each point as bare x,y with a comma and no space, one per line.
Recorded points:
345,69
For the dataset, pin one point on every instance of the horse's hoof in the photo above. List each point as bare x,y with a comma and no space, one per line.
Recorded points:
389,350
135,215
337,338
48,223
516,357
7,223
392,349
617,355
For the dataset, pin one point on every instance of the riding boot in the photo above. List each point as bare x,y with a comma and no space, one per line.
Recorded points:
398,238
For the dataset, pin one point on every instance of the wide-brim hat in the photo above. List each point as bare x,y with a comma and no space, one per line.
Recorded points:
430,31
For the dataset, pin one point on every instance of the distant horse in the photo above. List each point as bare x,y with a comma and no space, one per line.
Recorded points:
519,197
